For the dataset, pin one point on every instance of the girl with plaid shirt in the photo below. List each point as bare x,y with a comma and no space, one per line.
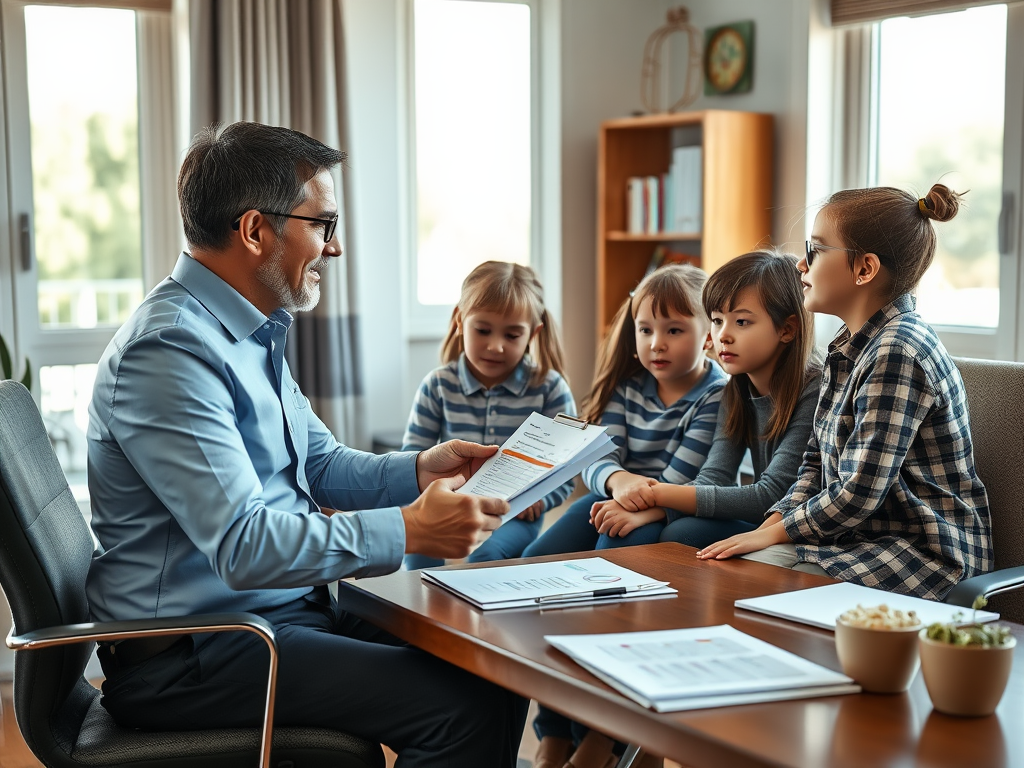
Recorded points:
887,495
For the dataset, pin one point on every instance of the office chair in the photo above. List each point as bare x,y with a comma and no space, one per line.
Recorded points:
45,549
995,398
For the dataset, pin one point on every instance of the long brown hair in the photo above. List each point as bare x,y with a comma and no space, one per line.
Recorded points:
774,278
672,288
894,225
507,289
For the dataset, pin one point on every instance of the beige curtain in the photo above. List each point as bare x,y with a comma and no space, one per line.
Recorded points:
865,11
281,62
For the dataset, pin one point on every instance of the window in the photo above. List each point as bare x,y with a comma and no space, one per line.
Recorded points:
473,143
72,136
941,110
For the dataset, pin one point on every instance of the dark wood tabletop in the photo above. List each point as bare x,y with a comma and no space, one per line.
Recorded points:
508,648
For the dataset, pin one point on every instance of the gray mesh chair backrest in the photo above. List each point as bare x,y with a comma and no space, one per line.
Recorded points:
45,548
995,398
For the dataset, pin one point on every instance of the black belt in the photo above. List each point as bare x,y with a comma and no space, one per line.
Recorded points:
130,653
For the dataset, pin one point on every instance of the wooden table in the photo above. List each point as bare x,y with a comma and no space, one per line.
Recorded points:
508,648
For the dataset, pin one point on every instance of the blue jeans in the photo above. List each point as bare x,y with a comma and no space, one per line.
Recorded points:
506,542
701,532
573,532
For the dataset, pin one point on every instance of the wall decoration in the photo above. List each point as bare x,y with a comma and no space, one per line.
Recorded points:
677,20
729,58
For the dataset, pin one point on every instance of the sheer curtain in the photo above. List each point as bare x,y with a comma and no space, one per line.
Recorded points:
281,62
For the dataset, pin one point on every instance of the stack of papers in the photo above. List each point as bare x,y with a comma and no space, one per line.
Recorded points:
544,585
821,606
541,455
677,669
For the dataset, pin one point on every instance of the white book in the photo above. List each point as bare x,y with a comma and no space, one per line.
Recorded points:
679,669
652,203
821,606
539,456
678,189
691,188
585,581
635,221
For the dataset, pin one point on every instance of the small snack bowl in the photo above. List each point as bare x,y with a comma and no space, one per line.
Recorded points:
878,648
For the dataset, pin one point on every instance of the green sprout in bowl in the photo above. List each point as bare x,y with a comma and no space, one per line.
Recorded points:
974,634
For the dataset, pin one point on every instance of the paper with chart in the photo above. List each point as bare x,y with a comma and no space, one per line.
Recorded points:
541,455
676,669
541,585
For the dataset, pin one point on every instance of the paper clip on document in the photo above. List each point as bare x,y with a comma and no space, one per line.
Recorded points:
570,421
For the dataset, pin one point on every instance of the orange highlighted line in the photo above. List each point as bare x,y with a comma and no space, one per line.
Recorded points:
524,457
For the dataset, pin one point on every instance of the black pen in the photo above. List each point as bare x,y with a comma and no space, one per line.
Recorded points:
600,593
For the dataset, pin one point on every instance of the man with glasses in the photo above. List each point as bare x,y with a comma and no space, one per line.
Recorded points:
208,472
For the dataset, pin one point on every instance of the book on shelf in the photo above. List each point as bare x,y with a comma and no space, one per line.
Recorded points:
663,255
821,606
541,455
687,173
557,584
636,218
679,669
652,204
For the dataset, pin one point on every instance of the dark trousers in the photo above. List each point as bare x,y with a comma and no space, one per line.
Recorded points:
335,671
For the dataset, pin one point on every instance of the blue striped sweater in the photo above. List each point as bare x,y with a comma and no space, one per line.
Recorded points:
451,404
667,443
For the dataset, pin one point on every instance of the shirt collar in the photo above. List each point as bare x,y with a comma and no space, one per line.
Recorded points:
851,346
712,375
235,312
516,383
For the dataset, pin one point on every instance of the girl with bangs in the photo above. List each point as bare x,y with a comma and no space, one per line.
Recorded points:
502,361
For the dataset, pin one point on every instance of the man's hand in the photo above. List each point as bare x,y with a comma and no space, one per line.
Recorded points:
455,457
742,543
633,492
611,518
442,523
532,512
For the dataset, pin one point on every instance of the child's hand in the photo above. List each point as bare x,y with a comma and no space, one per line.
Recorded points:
532,512
633,492
742,543
611,519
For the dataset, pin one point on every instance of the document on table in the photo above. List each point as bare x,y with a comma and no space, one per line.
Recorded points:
821,606
678,669
545,585
541,455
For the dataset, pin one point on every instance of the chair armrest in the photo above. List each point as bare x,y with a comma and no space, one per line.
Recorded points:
987,584
66,634
121,630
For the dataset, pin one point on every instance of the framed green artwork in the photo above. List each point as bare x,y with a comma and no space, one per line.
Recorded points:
729,58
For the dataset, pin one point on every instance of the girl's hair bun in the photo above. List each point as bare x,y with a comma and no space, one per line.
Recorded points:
941,203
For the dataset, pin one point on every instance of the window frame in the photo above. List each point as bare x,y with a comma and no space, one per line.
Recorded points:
429,322
1007,340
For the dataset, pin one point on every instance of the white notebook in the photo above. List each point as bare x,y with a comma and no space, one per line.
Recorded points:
821,606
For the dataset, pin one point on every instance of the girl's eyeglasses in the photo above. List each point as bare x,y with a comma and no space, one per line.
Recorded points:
813,249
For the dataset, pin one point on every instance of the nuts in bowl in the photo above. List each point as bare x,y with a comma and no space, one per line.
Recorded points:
877,647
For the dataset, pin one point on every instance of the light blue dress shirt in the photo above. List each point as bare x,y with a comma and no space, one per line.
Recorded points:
207,465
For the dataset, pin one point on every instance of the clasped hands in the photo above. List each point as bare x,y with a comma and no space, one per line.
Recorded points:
632,505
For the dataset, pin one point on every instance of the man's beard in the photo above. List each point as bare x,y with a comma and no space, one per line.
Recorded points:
271,274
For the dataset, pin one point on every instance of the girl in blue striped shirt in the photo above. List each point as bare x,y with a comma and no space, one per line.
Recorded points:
658,396
502,361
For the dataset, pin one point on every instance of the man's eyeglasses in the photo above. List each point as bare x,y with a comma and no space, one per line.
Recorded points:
813,249
329,224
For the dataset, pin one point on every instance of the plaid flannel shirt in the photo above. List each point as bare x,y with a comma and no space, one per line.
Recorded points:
887,495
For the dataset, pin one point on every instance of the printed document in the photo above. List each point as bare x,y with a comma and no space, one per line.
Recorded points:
541,455
821,606
542,585
677,669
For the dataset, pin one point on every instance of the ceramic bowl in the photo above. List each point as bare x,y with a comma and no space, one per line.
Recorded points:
965,680
880,660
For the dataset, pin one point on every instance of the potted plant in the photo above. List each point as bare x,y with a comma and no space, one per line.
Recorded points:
7,366
966,668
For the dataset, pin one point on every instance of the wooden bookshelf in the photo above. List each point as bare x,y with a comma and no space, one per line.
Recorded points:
737,193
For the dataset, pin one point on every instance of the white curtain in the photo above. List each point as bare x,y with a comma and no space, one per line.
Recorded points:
281,62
